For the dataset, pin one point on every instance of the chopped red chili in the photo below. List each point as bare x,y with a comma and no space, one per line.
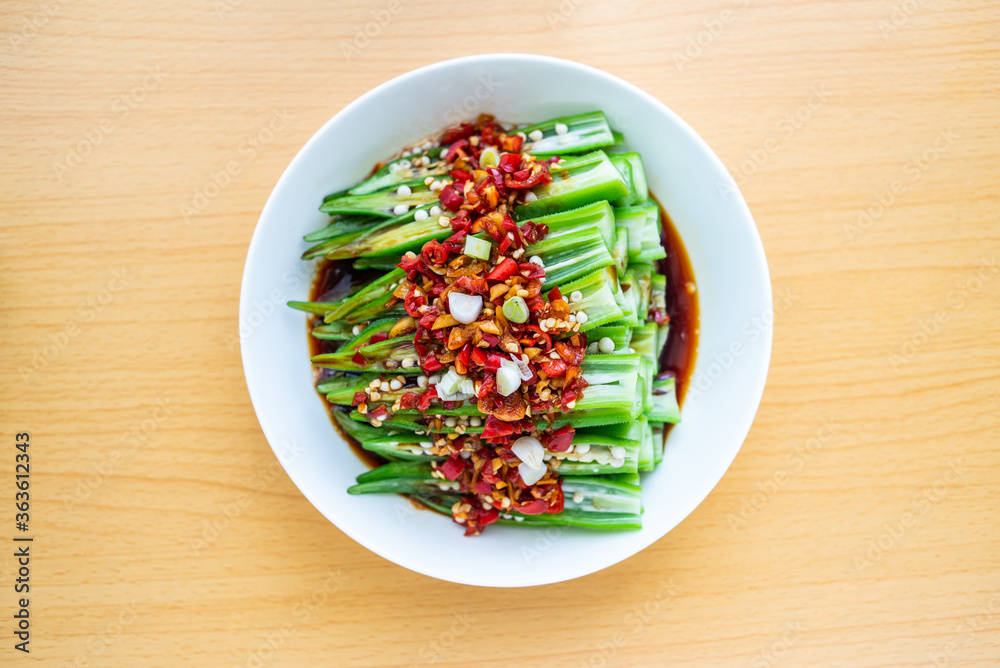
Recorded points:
510,162
451,199
507,268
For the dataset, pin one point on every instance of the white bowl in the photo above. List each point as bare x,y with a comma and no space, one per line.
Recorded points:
692,184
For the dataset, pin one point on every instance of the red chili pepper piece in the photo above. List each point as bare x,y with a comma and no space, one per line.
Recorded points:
379,413
460,223
568,396
410,264
378,338
493,362
434,253
497,177
465,355
570,354
542,337
510,162
561,439
418,345
552,368
487,474
535,304
491,339
488,516
489,385
557,501
359,398
659,317
359,359
483,487
509,225
554,294
425,399
427,321
471,284
409,400
479,356
413,302
431,364
503,271
539,177
451,199
533,232
495,428
454,149
513,143
533,507
488,134
452,467
463,131
460,175
533,270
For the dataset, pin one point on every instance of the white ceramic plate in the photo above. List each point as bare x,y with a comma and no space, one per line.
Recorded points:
709,213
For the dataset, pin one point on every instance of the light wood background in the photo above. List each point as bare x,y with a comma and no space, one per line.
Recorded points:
872,542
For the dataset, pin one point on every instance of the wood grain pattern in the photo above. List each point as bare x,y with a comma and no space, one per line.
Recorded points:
120,358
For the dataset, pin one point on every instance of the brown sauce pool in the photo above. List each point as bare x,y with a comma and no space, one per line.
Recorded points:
679,354
334,279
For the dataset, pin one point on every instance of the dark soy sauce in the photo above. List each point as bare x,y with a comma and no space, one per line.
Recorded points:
678,356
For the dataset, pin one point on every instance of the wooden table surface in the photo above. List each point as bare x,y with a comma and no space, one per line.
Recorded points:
858,525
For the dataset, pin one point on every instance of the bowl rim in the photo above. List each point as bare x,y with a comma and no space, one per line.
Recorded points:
755,392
